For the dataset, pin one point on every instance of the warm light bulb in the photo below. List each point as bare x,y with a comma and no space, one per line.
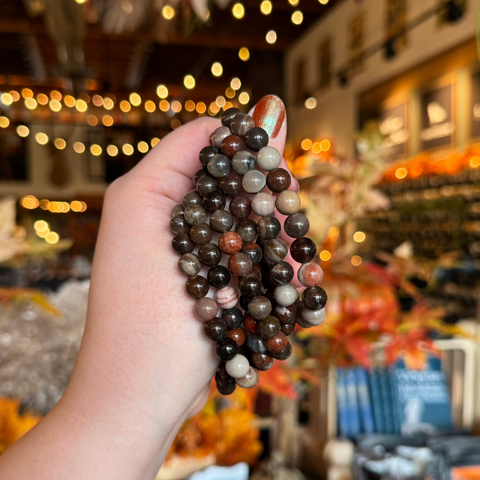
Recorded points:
162,91
244,54
55,105
31,103
95,150
81,105
55,95
4,122
143,147
176,106
79,147
27,93
69,101
359,237
235,83
266,7
271,37
107,120
238,10
217,69
135,99
23,131
189,82
220,101
112,150
42,99
325,255
41,138
154,141
150,106
97,100
294,2
125,106
323,2
60,143
168,12
127,149
401,173
201,108
108,103
230,92
297,17
189,105
52,238
164,105
306,144
6,98
356,260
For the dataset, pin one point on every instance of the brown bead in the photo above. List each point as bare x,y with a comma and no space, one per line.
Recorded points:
230,243
214,201
240,207
232,145
221,221
277,343
197,286
283,354
229,115
259,307
278,180
256,138
247,229
250,380
218,135
241,124
269,327
206,309
182,243
314,298
240,264
254,251
263,361
237,335
209,254
303,250
285,314
178,210
288,328
179,225
251,324
215,329
281,273
250,285
310,274
201,233
231,184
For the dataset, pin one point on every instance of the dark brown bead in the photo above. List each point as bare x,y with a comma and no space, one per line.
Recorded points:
195,214
223,378
179,225
209,254
232,145
198,175
230,243
228,115
281,273
182,243
277,343
314,298
238,336
256,138
189,264
285,314
207,184
240,206
241,124
231,184
255,343
215,329
206,154
244,302
226,349
250,323
303,250
247,229
262,361
269,327
192,198
197,286
233,318
243,162
250,285
278,180
221,221
201,233
296,225
259,307
275,250
240,264
283,354
214,201
226,390
288,328
178,210
219,276
268,228
253,251
218,166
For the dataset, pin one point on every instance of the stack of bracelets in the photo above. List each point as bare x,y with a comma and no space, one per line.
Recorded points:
215,219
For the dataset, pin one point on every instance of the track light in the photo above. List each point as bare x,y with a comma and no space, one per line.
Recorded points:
390,48
454,12
342,78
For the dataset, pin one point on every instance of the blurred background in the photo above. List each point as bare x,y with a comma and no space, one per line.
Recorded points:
383,106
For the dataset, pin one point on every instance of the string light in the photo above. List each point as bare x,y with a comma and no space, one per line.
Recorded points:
125,106
79,147
143,147
60,143
42,99
127,149
27,93
162,91
323,2
220,101
154,141
201,108
55,105
92,120
95,150
40,225
189,82
15,95
44,204
359,236
325,145
271,37
235,83
266,7
41,138
52,238
294,2
228,105
213,109
30,202
356,260
81,105
164,105
107,120
217,69
244,98
97,100
55,95
23,131
297,17
6,98
76,206
316,147
108,103
69,101
238,10
150,106
230,92
325,255
311,103
135,99
31,103
168,12
189,105
176,106
244,54
306,144
4,122
401,172
112,150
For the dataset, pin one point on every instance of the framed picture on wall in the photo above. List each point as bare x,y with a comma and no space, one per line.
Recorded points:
393,124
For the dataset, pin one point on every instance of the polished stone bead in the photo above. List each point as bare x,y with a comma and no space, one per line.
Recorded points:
240,264
198,175
285,295
296,225
288,202
263,204
238,336
233,317
240,206
226,297
218,135
218,166
226,390
222,372
243,162
256,138
206,154
247,229
223,378
221,221
219,276
275,250
189,264
201,233
314,317
251,324
268,228
250,380
231,184
281,273
277,343
209,254
197,286
267,264
226,349
207,184
195,214
303,250
285,314
244,302
262,361
241,124
228,115
179,225
255,343
269,327
256,271
254,181
238,366
250,285
192,198
214,201
301,321
215,329
182,243
268,158
230,243
314,298
288,328
206,309
232,145
278,180
310,274
284,353
259,307
253,251
178,210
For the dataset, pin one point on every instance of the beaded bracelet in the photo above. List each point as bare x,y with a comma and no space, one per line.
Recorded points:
217,219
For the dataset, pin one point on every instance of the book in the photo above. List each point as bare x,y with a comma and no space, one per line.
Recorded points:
352,403
365,407
385,388
377,402
342,411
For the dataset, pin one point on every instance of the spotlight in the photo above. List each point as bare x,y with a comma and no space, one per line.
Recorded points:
390,48
454,11
342,78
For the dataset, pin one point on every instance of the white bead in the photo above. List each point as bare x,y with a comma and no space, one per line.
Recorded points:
238,366
226,297
263,204
288,202
268,158
254,181
314,317
285,295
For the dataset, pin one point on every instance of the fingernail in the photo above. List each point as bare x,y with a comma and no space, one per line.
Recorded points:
269,114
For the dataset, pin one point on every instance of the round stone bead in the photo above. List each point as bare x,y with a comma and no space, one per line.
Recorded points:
310,274
231,184
269,327
240,207
296,225
268,228
182,243
275,250
259,307
254,181
218,135
214,201
230,243
209,255
255,343
226,349
250,285
206,309
278,180
198,175
284,353
189,264
238,366
268,158
240,264
221,221
277,343
288,328
238,336
250,323
285,314
253,251
226,390
244,302
263,204
314,317
219,276
215,329
281,273
262,361
201,233
241,124
206,154
256,138
179,225
233,318
223,379
288,202
303,250
228,115
250,380
301,321
243,162
285,295
314,298
247,229
226,297
218,166
195,214
197,286
192,198
178,210
232,145
207,184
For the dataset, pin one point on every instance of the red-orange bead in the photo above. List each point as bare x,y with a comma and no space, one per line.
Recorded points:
230,243
277,343
237,335
250,323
